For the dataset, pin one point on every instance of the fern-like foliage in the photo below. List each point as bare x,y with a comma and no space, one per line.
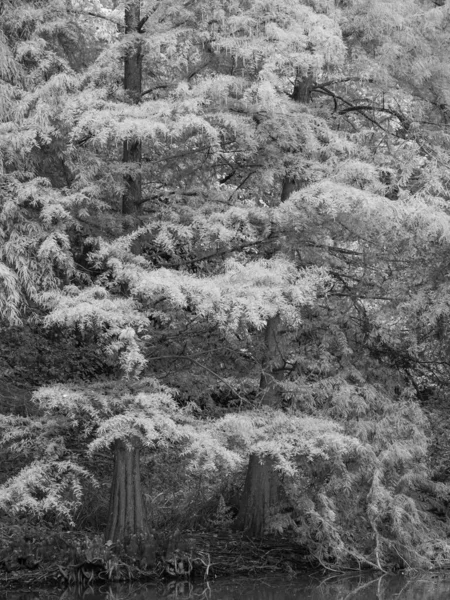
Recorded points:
293,168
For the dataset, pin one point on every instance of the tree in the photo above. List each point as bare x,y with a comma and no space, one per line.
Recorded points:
127,511
231,194
260,492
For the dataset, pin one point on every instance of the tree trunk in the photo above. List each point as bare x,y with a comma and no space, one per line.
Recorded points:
261,486
272,364
259,495
126,506
132,149
303,87
127,520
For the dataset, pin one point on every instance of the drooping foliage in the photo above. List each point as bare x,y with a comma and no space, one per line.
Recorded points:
229,198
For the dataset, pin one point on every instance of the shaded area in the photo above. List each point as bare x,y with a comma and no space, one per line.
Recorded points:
313,587
46,556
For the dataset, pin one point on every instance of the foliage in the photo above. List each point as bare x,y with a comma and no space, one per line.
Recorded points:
257,202
38,357
52,484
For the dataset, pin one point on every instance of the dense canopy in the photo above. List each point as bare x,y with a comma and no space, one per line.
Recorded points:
224,253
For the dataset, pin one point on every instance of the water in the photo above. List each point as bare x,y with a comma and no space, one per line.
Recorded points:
344,587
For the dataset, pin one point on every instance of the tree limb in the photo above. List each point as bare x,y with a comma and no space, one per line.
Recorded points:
156,87
199,364
97,16
334,249
321,89
218,253
142,22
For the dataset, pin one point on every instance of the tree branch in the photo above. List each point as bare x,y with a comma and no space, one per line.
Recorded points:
241,184
199,364
156,87
335,82
198,69
189,152
97,16
165,195
403,120
227,177
218,253
321,89
88,137
334,249
350,295
142,22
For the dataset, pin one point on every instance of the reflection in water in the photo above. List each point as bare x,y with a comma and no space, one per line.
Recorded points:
345,587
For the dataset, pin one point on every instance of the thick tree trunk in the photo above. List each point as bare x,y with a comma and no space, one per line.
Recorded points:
127,521
126,507
132,149
301,93
259,495
261,486
303,87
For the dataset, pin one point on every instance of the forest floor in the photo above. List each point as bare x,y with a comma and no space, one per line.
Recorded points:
41,557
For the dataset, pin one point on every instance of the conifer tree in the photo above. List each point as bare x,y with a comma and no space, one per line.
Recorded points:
243,191
127,510
260,492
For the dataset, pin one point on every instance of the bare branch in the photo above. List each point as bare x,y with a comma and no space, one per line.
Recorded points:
195,71
227,177
362,108
142,22
156,87
199,364
334,249
360,296
97,16
336,82
241,184
165,195
217,253
82,141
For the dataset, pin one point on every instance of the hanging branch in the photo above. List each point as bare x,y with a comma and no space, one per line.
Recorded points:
362,108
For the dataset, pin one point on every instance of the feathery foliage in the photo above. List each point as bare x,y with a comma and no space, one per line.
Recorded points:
231,202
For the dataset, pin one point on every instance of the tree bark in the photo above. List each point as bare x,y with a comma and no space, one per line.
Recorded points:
259,495
272,364
261,483
132,148
261,488
126,506
303,86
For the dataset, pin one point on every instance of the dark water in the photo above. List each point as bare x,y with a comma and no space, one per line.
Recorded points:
347,587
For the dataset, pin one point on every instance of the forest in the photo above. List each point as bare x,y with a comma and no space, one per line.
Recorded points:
224,296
